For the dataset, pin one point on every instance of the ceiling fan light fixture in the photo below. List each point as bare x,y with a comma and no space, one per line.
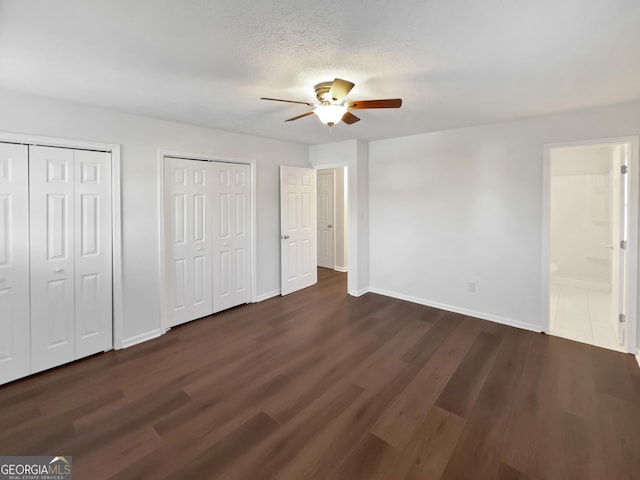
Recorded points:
330,114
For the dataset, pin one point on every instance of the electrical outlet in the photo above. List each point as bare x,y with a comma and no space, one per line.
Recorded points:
471,286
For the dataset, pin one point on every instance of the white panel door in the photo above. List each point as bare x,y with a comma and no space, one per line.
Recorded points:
298,227
232,235
92,239
51,178
326,238
188,229
14,262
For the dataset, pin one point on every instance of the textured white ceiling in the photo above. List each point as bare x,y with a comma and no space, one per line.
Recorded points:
207,62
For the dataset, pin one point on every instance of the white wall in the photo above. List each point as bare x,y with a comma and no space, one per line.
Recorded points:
140,138
580,213
460,206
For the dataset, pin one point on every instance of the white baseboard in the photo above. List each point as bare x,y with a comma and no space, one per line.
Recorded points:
266,296
358,293
341,269
143,337
463,311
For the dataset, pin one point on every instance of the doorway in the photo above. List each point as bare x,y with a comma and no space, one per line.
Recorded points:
333,218
591,225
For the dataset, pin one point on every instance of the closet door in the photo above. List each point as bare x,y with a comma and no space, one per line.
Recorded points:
92,253
14,262
188,232
232,239
51,178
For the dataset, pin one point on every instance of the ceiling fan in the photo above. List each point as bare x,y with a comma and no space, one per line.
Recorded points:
331,107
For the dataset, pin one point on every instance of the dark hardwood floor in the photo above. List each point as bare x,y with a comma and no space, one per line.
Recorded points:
318,385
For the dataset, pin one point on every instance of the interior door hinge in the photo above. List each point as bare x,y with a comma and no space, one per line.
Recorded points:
624,169
622,318
623,244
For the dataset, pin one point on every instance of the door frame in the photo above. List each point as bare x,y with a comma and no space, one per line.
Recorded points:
632,240
116,213
203,157
351,230
333,233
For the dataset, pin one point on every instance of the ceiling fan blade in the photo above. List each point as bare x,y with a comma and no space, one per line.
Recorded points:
299,116
350,118
288,101
340,88
388,103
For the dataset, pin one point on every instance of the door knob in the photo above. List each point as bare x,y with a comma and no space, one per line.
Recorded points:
285,237
58,270
329,226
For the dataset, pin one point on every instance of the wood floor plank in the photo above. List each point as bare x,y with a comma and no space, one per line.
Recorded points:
619,422
460,393
506,472
372,459
400,420
320,385
490,418
220,456
430,341
98,464
580,444
610,378
430,449
292,438
322,454
576,379
531,432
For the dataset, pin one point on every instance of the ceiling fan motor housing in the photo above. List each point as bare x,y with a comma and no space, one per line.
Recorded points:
323,93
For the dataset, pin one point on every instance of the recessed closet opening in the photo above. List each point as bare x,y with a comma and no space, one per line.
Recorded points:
207,235
60,256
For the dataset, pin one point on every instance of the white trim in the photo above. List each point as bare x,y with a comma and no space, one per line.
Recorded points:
116,214
632,248
266,296
633,245
359,293
638,357
162,153
341,269
116,248
463,311
143,337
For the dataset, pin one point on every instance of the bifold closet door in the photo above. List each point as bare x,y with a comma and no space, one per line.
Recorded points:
188,234
232,238
14,262
70,250
93,248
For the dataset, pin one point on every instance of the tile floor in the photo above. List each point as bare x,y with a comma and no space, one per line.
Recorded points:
582,315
